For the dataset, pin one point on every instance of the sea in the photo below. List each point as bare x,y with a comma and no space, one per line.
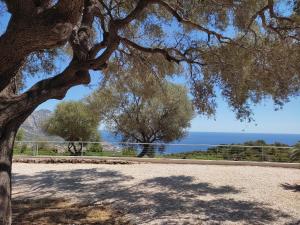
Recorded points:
196,141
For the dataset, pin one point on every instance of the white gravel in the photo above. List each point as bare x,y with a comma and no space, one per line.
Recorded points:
172,194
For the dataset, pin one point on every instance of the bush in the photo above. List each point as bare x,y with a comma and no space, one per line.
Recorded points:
129,152
95,147
23,148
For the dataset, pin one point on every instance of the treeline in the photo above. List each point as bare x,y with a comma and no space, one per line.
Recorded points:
248,151
161,114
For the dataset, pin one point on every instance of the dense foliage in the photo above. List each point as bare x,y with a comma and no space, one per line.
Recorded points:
159,117
74,122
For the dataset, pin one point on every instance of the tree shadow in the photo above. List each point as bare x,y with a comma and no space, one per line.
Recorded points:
60,211
161,198
291,187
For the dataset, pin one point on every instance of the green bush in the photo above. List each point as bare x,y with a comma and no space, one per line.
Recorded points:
95,147
129,152
23,148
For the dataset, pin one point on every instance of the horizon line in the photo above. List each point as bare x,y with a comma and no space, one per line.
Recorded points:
230,132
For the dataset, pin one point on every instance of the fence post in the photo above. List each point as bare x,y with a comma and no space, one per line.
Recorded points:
262,153
81,148
37,149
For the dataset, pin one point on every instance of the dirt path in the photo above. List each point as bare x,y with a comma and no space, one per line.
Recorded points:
171,194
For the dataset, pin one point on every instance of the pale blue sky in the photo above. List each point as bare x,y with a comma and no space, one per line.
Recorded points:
267,120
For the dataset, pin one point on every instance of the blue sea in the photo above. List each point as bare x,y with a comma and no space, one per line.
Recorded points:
214,138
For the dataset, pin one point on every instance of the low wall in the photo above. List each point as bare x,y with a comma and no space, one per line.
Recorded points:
127,160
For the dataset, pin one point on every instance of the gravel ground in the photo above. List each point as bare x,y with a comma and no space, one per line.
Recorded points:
169,193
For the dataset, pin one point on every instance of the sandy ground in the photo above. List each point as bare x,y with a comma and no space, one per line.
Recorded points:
171,194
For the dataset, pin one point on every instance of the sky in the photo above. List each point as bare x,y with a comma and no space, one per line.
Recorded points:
267,120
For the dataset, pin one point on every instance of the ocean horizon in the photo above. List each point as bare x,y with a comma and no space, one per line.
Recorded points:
216,138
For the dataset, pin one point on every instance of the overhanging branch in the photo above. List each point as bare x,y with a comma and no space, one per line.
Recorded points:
221,38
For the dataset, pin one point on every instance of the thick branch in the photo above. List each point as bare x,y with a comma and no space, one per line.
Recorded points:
20,7
27,35
166,52
161,51
51,88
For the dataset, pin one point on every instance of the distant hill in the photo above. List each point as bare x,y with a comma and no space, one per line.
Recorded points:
33,126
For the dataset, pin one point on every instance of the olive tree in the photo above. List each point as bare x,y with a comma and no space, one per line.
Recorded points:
20,135
248,49
160,116
74,122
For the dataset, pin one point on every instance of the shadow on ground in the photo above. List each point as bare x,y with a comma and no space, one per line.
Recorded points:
291,187
160,197
46,211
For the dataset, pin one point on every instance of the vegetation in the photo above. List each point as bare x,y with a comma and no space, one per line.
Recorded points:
253,151
74,122
249,49
20,135
160,117
94,147
295,156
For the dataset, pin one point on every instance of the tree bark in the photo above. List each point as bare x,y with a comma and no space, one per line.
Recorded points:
6,150
76,151
144,151
148,150
28,32
14,109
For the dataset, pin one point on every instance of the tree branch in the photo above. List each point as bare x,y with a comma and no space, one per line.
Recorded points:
20,7
161,51
190,23
141,5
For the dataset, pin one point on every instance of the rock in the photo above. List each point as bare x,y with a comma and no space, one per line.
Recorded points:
32,127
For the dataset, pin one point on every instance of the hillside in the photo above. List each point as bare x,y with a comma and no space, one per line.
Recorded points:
33,126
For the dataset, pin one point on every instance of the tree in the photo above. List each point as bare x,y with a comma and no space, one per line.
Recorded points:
249,49
159,117
20,135
74,122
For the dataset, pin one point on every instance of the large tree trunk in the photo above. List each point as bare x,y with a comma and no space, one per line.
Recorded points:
27,32
14,109
6,151
76,151
148,150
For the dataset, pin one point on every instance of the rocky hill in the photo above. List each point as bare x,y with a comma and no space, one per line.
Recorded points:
33,126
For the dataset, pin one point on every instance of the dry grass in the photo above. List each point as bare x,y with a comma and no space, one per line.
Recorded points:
48,211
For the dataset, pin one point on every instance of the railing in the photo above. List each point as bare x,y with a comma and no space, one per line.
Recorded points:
270,153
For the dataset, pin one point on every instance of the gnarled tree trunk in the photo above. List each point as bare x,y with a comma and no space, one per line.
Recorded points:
74,151
31,30
6,151
14,109
148,150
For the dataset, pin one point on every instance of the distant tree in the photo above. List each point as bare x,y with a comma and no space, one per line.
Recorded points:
20,135
74,122
158,117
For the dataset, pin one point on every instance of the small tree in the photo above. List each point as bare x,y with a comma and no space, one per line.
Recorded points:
20,135
159,117
74,122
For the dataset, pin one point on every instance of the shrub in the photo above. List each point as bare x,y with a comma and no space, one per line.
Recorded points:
129,152
23,148
95,147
